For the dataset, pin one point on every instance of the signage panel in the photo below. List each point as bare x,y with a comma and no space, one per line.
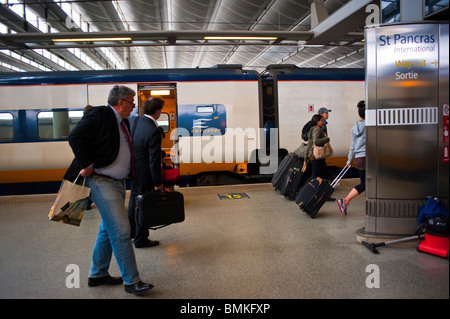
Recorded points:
406,122
407,64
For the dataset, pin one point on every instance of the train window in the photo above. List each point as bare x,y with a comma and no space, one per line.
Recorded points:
6,127
205,109
163,122
57,124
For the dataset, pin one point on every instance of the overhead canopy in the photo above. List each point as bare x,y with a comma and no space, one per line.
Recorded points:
173,34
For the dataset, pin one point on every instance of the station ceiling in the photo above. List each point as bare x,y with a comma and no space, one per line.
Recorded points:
171,33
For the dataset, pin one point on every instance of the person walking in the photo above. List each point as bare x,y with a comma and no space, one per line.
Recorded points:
316,136
103,156
147,153
357,152
324,112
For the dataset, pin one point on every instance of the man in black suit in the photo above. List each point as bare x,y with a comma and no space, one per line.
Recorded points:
147,155
103,155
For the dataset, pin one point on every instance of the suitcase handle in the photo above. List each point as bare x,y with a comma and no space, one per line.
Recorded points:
340,175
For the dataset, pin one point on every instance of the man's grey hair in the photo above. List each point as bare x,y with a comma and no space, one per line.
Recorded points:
119,92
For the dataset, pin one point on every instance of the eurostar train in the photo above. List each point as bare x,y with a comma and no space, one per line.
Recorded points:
222,125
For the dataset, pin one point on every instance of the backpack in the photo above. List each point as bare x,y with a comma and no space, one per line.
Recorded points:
434,207
305,131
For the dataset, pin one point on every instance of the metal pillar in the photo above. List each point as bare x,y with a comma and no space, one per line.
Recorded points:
407,99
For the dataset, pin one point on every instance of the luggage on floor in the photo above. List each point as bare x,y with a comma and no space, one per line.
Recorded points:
316,192
434,218
313,195
295,179
158,209
289,161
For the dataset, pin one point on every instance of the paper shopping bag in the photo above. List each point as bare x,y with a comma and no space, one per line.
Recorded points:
70,203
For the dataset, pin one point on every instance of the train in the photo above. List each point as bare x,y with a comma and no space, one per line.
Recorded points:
223,124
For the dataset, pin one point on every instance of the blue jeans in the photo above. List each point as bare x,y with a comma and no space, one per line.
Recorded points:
114,233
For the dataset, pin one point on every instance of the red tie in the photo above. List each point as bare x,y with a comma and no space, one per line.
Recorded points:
125,130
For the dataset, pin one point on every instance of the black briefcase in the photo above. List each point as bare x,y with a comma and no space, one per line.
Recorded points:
158,209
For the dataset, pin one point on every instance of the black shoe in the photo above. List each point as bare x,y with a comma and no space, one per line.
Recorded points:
331,199
106,280
147,243
138,288
88,204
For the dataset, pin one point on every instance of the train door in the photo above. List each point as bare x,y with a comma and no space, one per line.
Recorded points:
168,118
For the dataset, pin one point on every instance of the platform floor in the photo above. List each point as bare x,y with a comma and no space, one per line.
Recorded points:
257,247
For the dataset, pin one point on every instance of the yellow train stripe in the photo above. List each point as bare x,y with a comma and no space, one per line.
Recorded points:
336,161
50,175
24,176
196,168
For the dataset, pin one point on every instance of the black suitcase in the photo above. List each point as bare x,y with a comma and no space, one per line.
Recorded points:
289,161
316,192
158,209
294,180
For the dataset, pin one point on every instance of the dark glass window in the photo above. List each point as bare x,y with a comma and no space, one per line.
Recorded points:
57,124
6,127
163,122
390,11
434,6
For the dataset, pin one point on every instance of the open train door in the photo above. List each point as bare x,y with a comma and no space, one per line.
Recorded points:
168,118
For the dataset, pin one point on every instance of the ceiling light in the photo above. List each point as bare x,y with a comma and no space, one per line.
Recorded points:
240,38
91,39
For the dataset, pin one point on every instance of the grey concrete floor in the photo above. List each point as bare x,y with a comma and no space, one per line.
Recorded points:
261,247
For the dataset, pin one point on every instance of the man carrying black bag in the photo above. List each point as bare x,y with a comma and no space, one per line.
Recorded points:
146,137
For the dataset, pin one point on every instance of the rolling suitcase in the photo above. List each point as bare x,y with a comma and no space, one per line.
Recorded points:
316,192
157,209
294,180
288,162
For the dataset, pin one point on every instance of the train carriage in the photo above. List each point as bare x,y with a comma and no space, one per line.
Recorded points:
298,93
213,118
37,111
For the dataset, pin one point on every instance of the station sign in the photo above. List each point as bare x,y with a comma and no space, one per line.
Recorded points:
406,158
402,92
408,64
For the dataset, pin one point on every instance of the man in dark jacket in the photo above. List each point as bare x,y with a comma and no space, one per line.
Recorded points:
147,154
103,155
